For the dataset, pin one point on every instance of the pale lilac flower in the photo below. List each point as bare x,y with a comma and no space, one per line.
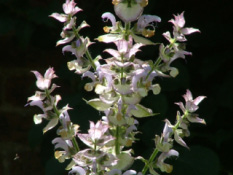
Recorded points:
146,21
38,103
70,9
67,130
67,36
78,66
70,24
96,135
66,145
109,97
138,75
178,139
179,31
78,48
38,96
43,83
97,130
89,74
37,118
109,16
164,143
179,54
167,130
105,74
164,167
191,105
125,49
46,106
167,35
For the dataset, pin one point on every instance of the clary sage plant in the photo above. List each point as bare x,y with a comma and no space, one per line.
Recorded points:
120,82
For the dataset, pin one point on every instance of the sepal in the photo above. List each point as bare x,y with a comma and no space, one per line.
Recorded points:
142,111
98,104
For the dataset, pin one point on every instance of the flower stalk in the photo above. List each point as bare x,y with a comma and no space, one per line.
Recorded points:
117,144
87,53
151,159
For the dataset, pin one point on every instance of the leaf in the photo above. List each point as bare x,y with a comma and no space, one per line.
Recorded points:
142,111
142,40
52,123
108,38
98,104
124,162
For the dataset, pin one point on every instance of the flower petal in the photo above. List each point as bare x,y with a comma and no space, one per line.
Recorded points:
59,17
52,123
189,30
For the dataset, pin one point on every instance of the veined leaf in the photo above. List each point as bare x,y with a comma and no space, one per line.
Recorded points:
139,39
98,104
108,38
142,111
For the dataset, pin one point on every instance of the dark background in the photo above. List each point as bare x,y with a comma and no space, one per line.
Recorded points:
27,42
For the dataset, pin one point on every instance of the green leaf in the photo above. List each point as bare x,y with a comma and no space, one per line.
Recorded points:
52,123
142,111
108,38
98,104
142,40
124,162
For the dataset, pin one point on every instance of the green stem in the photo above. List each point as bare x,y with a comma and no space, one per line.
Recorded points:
178,122
127,30
88,55
75,144
117,145
154,66
152,157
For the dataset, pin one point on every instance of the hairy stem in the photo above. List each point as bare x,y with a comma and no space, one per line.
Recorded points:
75,144
117,145
152,157
154,66
127,30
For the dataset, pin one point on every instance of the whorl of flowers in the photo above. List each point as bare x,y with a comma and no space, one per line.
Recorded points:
120,84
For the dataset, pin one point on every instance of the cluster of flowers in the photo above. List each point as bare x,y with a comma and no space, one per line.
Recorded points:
120,83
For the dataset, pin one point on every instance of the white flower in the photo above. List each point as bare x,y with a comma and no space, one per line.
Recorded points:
179,31
44,82
69,9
